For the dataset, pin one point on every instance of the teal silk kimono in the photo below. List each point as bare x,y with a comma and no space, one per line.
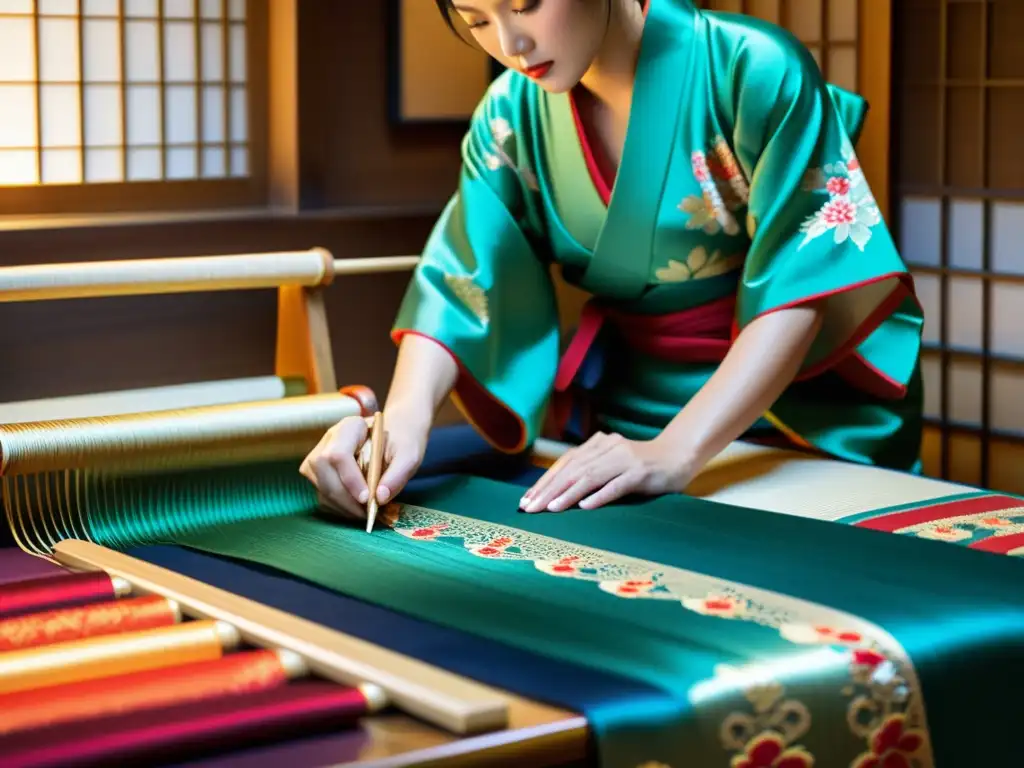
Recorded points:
738,194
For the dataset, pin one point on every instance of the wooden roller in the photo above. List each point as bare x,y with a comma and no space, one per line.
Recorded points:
136,277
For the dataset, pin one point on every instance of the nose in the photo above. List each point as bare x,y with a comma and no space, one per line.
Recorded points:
514,42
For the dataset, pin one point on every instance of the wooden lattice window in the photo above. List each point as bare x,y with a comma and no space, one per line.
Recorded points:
127,104
827,27
960,91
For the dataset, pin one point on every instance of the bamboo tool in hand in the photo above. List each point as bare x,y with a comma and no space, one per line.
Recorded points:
374,470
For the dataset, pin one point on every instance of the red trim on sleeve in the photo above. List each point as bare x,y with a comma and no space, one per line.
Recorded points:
845,359
494,420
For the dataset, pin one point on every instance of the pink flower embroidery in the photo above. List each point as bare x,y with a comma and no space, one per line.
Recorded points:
701,172
769,751
495,548
427,533
850,213
723,191
945,533
722,606
837,186
892,745
821,635
839,212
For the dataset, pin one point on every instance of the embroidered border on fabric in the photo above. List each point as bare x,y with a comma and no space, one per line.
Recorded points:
975,520
1007,522
885,707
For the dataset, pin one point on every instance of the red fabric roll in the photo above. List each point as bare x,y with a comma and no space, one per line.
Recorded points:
51,592
188,731
81,621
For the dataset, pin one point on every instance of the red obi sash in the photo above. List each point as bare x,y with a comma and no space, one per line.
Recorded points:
699,335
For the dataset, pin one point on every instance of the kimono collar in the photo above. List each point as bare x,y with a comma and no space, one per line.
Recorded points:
621,263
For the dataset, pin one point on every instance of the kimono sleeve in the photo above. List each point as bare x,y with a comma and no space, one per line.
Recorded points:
816,231
482,293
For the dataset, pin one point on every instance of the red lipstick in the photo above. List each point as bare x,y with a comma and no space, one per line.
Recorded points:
537,71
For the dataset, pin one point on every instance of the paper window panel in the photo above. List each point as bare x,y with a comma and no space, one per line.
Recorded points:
829,29
113,91
959,213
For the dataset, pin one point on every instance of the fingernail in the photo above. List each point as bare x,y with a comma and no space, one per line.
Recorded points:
383,493
523,502
364,496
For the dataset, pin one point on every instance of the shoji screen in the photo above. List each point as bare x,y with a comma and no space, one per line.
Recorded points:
828,27
959,96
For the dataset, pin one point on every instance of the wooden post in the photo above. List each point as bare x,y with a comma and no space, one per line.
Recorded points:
303,339
874,64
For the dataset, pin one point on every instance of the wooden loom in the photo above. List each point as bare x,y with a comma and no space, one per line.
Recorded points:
419,713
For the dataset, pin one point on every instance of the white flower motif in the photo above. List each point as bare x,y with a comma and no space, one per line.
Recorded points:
501,130
850,212
501,156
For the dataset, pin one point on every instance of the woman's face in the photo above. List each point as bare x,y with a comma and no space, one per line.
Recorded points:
552,41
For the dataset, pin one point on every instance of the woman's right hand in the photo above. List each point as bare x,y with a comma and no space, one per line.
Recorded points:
337,465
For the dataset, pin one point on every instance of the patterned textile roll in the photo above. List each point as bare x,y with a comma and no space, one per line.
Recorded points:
66,624
245,672
98,657
192,730
52,592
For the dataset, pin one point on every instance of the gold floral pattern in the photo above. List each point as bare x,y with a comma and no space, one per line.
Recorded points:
501,152
764,738
699,265
724,191
470,294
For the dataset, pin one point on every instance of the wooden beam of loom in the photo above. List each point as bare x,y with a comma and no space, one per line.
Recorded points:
434,695
303,348
303,345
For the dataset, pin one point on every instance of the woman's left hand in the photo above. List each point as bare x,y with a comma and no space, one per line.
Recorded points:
606,468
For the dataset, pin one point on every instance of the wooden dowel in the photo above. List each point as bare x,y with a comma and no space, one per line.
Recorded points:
138,277
439,697
374,265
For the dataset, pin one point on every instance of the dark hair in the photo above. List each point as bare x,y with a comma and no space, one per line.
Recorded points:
445,7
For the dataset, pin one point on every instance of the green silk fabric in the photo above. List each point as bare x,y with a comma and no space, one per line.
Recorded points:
739,177
822,643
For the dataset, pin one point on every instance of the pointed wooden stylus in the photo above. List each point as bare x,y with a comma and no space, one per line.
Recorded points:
374,470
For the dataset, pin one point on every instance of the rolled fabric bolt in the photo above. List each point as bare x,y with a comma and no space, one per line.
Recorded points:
191,731
98,657
63,625
241,673
52,592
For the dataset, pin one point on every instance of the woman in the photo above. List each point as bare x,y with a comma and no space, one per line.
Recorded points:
692,172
